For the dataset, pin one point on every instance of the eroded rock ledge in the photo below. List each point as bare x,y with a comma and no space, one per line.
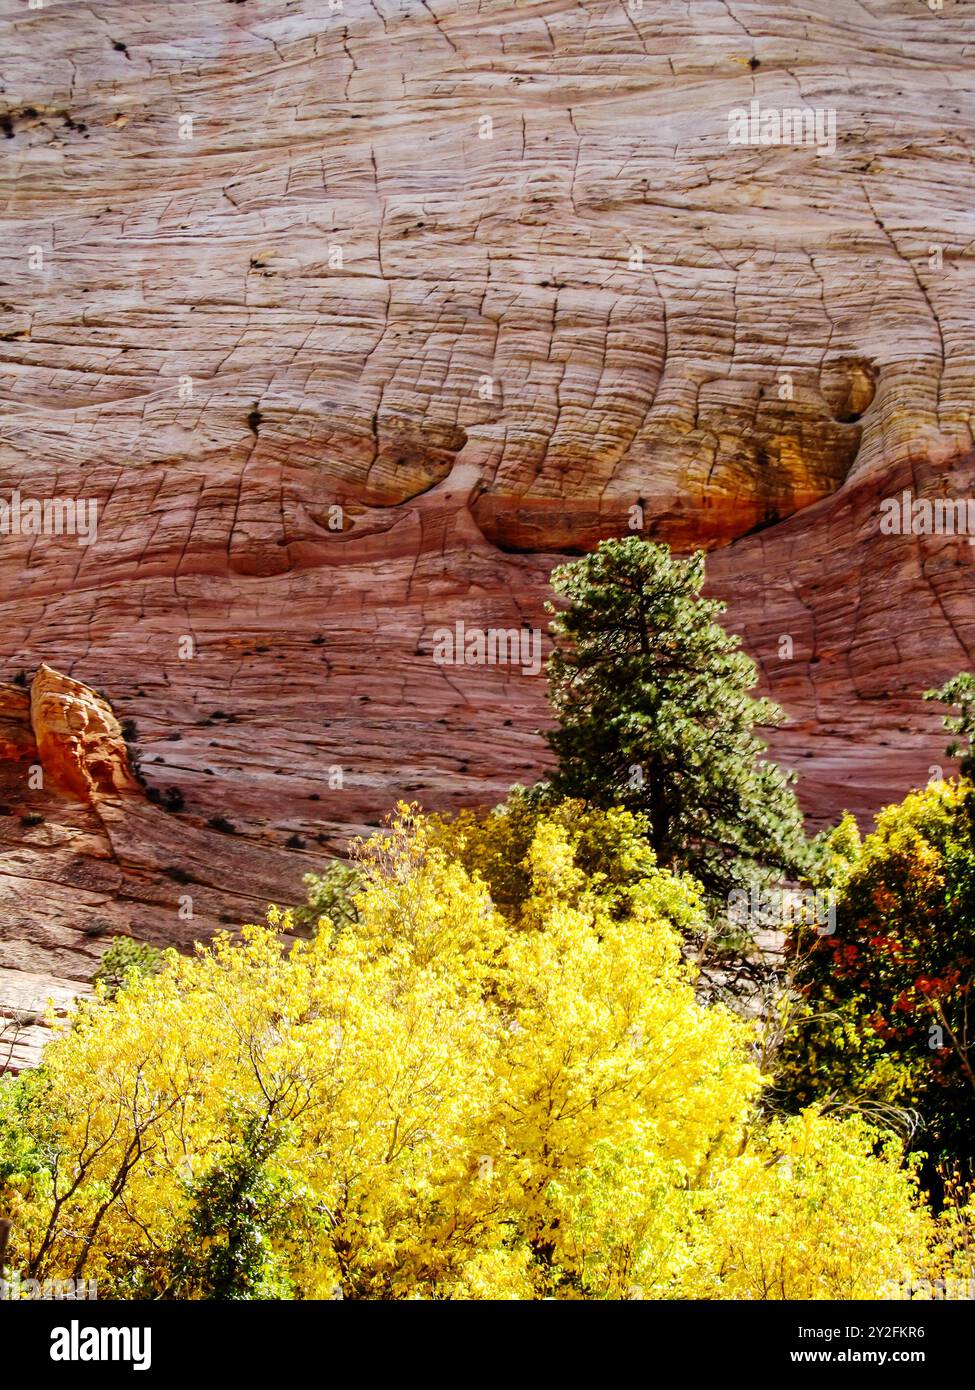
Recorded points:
79,740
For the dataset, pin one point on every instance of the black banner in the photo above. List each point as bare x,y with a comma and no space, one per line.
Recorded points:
70,1340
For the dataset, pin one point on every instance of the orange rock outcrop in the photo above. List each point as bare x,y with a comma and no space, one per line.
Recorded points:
79,740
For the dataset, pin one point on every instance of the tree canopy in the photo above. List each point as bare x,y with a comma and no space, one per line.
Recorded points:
654,715
441,1097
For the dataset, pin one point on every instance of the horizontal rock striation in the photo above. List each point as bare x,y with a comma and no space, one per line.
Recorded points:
352,321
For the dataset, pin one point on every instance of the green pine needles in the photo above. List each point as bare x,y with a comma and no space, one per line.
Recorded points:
655,715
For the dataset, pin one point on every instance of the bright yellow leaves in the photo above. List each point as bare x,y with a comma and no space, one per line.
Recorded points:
810,1211
466,1104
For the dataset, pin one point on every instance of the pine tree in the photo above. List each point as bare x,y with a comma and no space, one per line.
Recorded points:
652,698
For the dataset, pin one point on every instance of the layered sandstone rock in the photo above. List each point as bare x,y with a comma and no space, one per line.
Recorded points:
79,740
339,371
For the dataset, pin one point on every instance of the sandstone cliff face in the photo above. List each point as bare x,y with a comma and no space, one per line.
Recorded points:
338,371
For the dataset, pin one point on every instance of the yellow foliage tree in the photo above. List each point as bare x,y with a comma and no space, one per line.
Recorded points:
435,1098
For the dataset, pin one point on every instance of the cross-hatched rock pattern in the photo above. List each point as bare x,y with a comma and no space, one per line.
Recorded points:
354,320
